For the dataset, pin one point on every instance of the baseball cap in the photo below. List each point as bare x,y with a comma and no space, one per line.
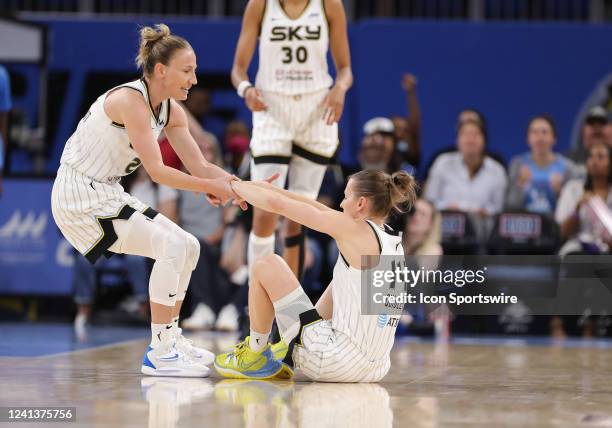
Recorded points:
380,125
597,114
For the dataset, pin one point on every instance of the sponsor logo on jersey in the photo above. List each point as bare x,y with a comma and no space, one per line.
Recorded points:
385,320
282,33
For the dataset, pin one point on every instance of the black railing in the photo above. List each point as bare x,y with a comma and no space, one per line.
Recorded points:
512,10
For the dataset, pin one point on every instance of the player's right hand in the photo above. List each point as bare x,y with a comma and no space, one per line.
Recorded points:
220,190
254,99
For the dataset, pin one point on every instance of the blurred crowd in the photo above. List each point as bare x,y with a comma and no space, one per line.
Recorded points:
542,202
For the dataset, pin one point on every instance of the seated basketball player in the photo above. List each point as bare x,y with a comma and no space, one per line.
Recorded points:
332,341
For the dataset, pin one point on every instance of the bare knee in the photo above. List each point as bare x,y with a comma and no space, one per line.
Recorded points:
266,265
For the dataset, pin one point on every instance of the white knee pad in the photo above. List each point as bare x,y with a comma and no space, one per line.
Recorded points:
193,251
171,248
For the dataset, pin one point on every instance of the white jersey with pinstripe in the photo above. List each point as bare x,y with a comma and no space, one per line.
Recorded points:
350,347
294,78
293,52
86,194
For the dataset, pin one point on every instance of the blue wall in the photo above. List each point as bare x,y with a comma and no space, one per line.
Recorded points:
508,71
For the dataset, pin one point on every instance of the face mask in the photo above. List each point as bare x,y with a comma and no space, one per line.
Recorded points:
238,144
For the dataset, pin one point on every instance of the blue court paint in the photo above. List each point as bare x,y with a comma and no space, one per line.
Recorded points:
42,339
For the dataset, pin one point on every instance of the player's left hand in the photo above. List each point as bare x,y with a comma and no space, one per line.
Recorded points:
333,104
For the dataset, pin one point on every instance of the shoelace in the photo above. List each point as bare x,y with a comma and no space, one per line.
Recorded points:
185,341
238,351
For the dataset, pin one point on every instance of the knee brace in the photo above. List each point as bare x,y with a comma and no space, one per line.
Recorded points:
170,248
170,255
192,250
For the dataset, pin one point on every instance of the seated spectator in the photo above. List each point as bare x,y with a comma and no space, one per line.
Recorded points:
236,143
378,143
422,236
408,129
536,177
198,104
210,288
161,199
471,114
379,149
572,213
467,180
422,232
468,114
593,131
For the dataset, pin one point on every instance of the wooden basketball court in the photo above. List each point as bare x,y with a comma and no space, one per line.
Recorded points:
463,383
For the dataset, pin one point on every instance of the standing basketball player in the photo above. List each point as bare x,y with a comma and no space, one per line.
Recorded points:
334,341
95,214
296,104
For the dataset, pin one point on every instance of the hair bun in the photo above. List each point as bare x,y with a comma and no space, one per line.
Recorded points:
403,188
149,35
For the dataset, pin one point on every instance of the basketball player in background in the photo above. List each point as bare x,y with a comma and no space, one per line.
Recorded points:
296,104
95,214
333,341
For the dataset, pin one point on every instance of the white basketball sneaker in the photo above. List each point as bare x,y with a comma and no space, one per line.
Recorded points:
168,360
199,355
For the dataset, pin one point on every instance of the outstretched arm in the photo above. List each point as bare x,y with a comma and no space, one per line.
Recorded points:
130,108
186,148
294,196
268,198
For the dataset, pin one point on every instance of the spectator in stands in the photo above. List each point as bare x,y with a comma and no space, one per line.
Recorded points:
471,114
468,114
408,129
377,146
536,177
423,230
572,214
467,180
5,107
198,103
422,236
210,288
236,144
162,199
593,132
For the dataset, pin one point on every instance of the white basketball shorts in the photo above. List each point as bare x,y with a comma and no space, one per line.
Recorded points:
291,137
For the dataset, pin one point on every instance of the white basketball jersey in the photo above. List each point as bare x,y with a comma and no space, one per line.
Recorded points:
100,148
373,334
293,52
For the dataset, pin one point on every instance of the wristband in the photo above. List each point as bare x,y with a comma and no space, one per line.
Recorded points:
242,87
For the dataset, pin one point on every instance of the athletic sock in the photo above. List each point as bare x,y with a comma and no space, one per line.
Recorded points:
175,326
160,334
258,341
